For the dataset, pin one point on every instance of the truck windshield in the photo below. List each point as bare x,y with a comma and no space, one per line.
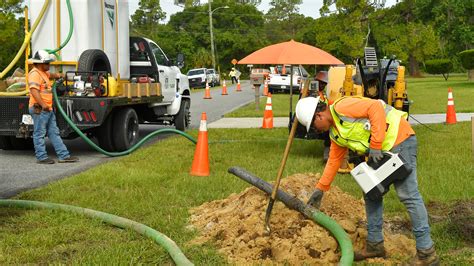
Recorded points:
195,72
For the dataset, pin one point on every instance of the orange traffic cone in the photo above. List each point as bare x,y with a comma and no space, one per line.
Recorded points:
201,155
207,94
238,85
224,88
265,88
268,114
450,112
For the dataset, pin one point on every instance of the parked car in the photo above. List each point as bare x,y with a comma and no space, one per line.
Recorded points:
213,78
258,75
279,79
197,77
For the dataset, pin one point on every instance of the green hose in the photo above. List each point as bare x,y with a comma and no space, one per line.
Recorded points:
347,251
114,154
169,245
71,29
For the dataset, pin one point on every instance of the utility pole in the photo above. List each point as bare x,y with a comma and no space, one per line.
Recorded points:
212,33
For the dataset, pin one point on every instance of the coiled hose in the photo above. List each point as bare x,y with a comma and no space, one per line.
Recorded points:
27,40
113,154
169,245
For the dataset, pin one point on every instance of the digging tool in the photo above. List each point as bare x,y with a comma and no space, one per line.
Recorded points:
283,163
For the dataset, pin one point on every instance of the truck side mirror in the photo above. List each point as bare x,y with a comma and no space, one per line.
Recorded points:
180,60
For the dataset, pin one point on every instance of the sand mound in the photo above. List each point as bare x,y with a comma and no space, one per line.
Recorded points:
235,225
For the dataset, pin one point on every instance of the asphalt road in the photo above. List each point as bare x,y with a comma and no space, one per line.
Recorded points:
19,171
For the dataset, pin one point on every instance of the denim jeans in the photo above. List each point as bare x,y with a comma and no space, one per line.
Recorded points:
45,123
407,191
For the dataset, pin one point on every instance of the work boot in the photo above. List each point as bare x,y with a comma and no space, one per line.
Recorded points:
371,250
70,159
426,257
45,161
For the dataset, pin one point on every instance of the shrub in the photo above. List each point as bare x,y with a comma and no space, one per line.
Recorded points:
439,66
467,59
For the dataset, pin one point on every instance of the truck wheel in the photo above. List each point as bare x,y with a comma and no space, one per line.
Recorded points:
104,134
21,144
93,60
183,118
125,128
5,143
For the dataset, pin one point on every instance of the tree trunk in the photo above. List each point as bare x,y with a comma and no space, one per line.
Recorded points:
470,74
414,67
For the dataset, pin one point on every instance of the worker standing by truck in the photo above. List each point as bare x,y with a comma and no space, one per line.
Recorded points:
370,126
41,110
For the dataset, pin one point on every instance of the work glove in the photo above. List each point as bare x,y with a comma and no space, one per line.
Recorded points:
375,155
315,199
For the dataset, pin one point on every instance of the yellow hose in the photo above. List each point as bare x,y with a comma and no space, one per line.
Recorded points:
18,93
25,43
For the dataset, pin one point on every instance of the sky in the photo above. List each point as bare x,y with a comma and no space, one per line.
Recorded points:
309,8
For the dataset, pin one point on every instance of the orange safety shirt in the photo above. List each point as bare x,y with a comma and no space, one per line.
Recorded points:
359,108
39,80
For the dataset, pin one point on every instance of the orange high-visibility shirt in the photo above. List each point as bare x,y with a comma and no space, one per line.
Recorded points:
39,80
360,108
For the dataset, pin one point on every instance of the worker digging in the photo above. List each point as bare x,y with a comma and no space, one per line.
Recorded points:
372,127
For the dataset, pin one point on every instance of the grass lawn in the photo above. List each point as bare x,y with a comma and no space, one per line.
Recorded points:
152,186
429,95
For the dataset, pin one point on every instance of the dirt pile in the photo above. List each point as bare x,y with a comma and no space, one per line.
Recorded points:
236,226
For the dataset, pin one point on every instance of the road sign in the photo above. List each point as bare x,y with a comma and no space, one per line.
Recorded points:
234,61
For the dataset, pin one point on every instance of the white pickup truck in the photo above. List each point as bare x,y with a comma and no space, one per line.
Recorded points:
281,82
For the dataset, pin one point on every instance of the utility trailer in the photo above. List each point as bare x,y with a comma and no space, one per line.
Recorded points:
113,82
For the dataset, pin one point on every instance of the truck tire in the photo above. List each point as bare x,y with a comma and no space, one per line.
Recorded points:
125,128
183,117
5,143
93,60
104,134
21,144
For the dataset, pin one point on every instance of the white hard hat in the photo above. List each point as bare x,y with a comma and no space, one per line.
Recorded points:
42,57
305,109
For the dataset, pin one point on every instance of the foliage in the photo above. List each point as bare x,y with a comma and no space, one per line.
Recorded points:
148,14
439,66
467,59
11,24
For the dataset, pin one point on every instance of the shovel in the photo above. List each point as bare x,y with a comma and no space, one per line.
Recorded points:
283,162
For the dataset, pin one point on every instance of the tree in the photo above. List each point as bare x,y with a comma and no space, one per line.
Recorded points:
397,32
11,24
148,14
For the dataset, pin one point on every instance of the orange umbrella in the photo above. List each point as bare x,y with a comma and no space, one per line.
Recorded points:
291,53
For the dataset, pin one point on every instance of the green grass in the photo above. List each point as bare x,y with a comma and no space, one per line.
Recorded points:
429,96
153,186
280,107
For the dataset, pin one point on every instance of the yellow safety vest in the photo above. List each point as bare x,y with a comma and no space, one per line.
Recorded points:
354,133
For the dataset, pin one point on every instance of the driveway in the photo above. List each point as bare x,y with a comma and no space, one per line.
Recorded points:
19,172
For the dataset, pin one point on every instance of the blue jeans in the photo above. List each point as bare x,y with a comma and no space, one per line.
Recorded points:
45,122
407,191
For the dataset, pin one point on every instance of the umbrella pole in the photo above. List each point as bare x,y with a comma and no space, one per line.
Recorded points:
291,92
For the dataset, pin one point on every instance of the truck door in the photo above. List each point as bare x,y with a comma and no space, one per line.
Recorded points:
167,74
